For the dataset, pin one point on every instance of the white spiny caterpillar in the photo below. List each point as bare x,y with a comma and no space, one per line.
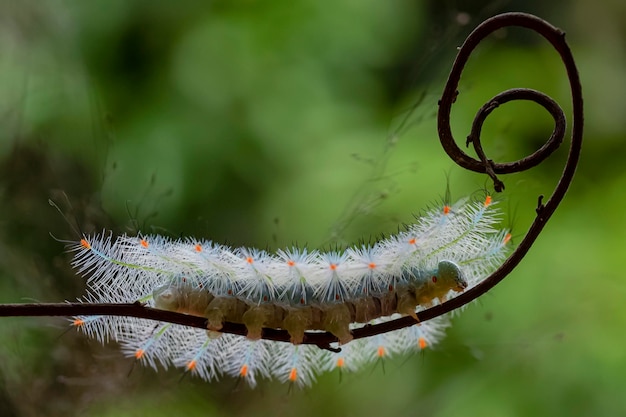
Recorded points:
446,251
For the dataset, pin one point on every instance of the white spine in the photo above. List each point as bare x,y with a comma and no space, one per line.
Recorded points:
205,275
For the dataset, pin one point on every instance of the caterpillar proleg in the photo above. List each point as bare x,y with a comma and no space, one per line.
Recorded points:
298,290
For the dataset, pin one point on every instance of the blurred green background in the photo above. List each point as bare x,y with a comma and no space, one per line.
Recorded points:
273,123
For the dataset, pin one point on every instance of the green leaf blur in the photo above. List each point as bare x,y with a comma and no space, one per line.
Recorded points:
270,124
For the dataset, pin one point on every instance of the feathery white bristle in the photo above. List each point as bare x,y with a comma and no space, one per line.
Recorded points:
445,251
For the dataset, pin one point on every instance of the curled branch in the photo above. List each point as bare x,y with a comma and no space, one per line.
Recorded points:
544,211
482,165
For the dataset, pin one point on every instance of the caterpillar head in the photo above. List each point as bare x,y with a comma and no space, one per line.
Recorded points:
182,297
449,277
167,297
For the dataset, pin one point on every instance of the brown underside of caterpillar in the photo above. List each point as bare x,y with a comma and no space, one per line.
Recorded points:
333,317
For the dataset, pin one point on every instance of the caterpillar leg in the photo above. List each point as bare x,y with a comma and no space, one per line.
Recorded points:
259,316
296,322
407,302
222,309
337,319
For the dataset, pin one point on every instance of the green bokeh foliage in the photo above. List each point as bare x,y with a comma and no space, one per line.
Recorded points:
274,123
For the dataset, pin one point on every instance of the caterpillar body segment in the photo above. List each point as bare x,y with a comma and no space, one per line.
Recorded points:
414,288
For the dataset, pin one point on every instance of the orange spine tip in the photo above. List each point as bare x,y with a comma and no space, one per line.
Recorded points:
488,201
333,267
412,241
244,371
249,260
198,248
78,322
372,265
144,243
340,363
191,365
381,351
139,353
85,244
422,343
507,238
293,375
291,263
446,209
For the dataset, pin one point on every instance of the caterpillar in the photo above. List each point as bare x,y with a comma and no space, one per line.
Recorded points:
445,252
